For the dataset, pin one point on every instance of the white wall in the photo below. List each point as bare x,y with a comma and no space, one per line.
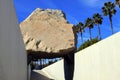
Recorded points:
100,61
13,65
55,71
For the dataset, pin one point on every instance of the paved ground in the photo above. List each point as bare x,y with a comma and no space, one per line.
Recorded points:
39,75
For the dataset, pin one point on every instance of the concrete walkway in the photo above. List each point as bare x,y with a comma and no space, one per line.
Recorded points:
39,75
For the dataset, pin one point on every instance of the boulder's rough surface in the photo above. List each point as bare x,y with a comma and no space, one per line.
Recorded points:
48,31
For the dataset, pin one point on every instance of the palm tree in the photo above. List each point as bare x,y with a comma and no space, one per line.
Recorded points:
89,24
80,29
108,10
97,19
117,2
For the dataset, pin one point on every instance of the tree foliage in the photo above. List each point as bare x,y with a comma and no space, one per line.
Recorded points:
89,24
117,2
79,29
88,43
97,19
108,10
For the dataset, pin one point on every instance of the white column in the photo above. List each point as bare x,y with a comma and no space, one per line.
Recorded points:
13,64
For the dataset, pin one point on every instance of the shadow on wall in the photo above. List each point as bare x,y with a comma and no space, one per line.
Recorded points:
38,76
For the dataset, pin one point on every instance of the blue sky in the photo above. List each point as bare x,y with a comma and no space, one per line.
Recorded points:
75,10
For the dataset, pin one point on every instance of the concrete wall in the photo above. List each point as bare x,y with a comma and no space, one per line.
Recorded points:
55,71
13,65
100,61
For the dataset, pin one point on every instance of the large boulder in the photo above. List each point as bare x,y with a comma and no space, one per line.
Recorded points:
48,31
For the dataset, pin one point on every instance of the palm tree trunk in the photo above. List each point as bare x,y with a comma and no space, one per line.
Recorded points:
90,33
99,33
110,18
81,37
